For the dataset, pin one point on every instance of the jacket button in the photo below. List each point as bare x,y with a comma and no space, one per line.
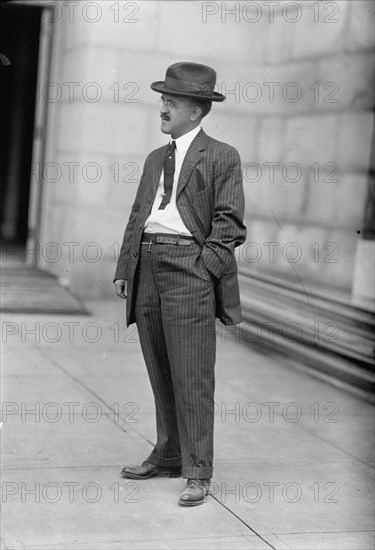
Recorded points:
135,254
140,227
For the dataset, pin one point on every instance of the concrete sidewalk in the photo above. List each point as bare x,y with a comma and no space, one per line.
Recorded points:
294,457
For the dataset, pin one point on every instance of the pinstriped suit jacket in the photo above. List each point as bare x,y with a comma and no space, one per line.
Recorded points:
210,201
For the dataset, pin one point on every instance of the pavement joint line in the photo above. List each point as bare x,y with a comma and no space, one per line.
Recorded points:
116,541
13,532
327,532
60,467
355,458
307,430
287,462
92,392
246,524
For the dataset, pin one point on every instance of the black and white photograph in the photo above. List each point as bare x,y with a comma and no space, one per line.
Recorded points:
187,226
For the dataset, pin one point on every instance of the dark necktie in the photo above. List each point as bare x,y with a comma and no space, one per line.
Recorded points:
169,167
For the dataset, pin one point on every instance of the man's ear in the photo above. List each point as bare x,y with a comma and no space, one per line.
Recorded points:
196,113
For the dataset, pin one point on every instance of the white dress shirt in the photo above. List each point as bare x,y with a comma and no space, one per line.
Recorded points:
169,219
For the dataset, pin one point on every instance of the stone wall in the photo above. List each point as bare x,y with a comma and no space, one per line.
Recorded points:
299,85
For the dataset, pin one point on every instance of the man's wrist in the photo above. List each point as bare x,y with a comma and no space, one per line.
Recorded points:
212,262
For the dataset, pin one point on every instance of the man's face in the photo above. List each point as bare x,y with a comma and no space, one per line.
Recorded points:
177,115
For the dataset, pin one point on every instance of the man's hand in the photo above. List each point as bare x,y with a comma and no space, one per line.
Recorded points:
121,286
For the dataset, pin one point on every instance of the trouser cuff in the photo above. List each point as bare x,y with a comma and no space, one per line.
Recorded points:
173,462
197,473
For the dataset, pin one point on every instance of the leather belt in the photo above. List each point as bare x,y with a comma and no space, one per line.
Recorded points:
166,238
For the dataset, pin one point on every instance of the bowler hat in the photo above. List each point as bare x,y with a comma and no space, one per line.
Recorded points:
189,80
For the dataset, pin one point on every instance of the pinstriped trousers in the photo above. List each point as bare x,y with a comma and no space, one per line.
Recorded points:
175,317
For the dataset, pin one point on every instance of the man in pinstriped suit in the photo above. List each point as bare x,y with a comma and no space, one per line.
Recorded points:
178,272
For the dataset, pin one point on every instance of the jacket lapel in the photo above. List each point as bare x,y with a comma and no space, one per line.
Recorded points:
157,167
192,157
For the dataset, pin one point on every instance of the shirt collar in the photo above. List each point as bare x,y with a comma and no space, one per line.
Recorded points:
183,142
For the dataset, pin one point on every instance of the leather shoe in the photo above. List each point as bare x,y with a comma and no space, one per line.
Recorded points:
147,470
195,492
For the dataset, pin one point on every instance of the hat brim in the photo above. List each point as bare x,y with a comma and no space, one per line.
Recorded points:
160,87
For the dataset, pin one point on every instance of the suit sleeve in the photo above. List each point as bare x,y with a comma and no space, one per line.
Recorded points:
227,230
124,251
121,270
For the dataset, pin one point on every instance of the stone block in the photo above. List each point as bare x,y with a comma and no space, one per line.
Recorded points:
273,191
286,248
310,251
280,39
120,24
75,30
356,132
86,251
86,279
270,89
104,279
254,204
234,129
196,32
103,128
118,219
63,226
293,87
254,253
311,139
93,180
234,81
246,94
320,30
287,193
57,248
263,229
123,183
338,263
69,131
361,25
270,143
345,82
90,75
61,175
340,204
101,232
78,179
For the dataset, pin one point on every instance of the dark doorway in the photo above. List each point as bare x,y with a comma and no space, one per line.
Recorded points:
19,48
